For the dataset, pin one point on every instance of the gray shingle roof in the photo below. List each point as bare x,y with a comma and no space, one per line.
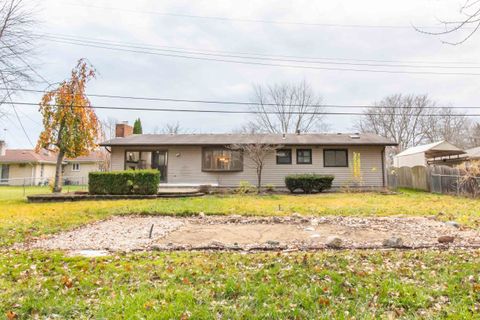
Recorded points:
226,139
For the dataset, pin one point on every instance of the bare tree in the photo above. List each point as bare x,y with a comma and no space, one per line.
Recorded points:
171,128
107,128
398,117
286,108
411,120
257,153
475,137
448,124
16,46
467,23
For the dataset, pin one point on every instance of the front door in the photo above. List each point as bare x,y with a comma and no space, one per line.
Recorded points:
159,161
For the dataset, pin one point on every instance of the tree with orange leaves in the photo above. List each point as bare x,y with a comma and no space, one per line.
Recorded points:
70,124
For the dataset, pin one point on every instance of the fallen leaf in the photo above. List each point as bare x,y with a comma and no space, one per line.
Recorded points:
11,315
323,301
67,282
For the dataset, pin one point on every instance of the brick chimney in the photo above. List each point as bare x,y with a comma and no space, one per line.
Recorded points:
3,148
123,130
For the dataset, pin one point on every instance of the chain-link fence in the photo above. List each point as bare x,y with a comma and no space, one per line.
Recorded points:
43,185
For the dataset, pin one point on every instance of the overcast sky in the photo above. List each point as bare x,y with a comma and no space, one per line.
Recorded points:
365,30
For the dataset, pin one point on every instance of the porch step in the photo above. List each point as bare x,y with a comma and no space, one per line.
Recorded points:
180,195
177,191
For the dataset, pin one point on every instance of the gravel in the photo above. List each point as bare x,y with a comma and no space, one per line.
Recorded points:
128,233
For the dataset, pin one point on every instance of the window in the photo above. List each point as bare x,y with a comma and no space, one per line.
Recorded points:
4,170
304,156
75,166
284,156
42,170
221,159
335,158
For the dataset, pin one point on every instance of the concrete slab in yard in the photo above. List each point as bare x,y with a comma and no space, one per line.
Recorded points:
128,233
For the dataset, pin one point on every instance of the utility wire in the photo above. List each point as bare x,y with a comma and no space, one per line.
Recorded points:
76,37
250,56
268,64
245,103
231,19
235,111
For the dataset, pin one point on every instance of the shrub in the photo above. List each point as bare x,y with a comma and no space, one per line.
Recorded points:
246,187
124,182
269,187
308,183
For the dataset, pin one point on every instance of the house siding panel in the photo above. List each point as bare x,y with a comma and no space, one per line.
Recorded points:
184,166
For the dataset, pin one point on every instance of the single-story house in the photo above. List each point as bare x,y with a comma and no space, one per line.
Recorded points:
185,159
439,153
28,167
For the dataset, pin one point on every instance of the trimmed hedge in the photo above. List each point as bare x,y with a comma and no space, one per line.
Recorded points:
124,182
308,183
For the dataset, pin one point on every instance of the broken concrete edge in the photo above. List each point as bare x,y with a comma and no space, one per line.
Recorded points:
257,249
64,197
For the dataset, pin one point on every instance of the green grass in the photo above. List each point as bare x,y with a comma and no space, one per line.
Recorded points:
20,220
322,285
201,285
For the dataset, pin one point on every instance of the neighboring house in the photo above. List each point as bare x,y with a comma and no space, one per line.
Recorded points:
206,158
75,171
27,167
440,153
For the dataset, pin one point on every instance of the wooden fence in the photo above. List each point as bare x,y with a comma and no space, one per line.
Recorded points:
435,179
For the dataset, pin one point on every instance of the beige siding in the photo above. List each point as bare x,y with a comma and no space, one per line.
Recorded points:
185,166
410,160
81,176
28,174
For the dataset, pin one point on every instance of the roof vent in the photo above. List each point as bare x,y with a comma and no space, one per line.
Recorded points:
355,136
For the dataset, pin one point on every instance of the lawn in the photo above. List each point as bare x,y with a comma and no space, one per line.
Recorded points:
20,220
204,285
321,285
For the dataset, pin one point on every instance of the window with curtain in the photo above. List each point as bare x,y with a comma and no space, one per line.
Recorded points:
335,158
221,159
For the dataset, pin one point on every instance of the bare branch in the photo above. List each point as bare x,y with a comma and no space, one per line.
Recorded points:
17,39
286,108
471,18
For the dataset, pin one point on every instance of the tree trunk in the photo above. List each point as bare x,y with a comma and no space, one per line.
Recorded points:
259,178
58,173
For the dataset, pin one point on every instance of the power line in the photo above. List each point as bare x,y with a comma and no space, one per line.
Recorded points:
267,64
250,56
76,37
244,103
264,21
233,111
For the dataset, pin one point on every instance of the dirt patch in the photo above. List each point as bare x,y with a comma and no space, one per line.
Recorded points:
257,233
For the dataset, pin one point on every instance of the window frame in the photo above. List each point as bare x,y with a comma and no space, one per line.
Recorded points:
335,166
75,164
283,149
4,167
302,150
212,148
